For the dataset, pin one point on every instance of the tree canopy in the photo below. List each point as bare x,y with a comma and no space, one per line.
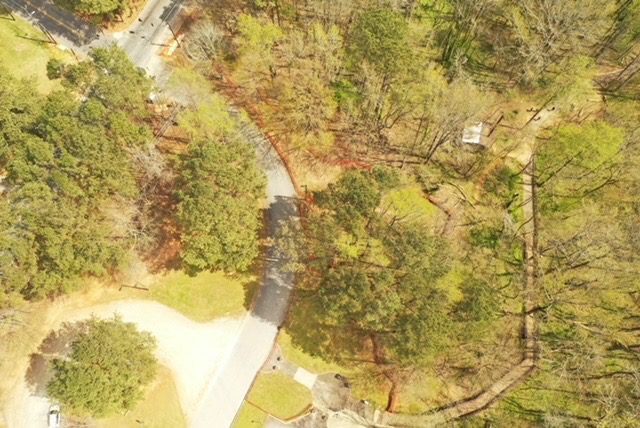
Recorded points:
109,365
98,7
67,163
220,193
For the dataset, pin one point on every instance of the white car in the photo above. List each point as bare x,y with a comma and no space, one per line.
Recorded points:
53,418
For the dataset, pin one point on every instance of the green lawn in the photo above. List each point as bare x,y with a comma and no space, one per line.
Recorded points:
410,202
279,395
24,57
160,408
203,297
250,417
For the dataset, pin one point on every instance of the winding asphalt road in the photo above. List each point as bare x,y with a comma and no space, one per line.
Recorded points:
144,42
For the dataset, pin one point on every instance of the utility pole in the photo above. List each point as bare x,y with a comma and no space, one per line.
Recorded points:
50,38
48,34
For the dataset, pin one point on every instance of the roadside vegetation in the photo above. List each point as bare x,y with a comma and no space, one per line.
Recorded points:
105,9
81,178
205,296
278,395
273,394
423,249
250,417
89,196
159,408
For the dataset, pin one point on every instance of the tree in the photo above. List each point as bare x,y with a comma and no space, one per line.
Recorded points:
457,25
219,208
110,364
203,42
576,162
256,60
379,37
373,276
542,33
99,7
67,163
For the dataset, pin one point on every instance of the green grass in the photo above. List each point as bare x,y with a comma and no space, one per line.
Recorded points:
160,408
203,297
279,395
451,282
26,58
411,202
250,417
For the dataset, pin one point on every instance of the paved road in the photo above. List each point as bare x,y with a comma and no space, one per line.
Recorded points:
144,42
227,391
66,27
149,35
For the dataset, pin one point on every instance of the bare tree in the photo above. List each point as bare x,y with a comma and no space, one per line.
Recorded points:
203,41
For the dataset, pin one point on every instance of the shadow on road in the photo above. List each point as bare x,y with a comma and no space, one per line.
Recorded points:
272,302
54,19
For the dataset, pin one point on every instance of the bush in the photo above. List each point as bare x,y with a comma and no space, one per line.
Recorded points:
55,68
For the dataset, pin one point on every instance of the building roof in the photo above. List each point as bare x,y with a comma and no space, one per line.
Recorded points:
472,134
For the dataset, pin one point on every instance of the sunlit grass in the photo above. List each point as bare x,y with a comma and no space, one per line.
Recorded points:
24,52
279,395
204,297
159,409
250,417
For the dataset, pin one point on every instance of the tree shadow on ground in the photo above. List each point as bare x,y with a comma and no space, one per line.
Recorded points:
56,345
257,269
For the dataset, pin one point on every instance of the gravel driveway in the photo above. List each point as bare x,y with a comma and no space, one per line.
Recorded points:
192,351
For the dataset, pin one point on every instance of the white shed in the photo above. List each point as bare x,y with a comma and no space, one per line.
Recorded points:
473,134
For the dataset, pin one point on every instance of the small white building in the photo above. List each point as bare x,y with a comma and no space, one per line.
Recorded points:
473,134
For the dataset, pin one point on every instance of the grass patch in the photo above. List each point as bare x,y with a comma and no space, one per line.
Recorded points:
279,395
203,297
410,202
160,408
452,282
250,417
24,53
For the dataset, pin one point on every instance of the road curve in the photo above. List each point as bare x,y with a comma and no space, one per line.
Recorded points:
144,42
227,390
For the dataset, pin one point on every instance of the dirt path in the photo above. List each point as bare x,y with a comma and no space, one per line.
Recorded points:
192,351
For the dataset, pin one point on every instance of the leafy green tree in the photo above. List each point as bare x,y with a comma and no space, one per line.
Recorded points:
379,36
99,7
219,208
110,364
374,277
256,59
576,162
66,164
